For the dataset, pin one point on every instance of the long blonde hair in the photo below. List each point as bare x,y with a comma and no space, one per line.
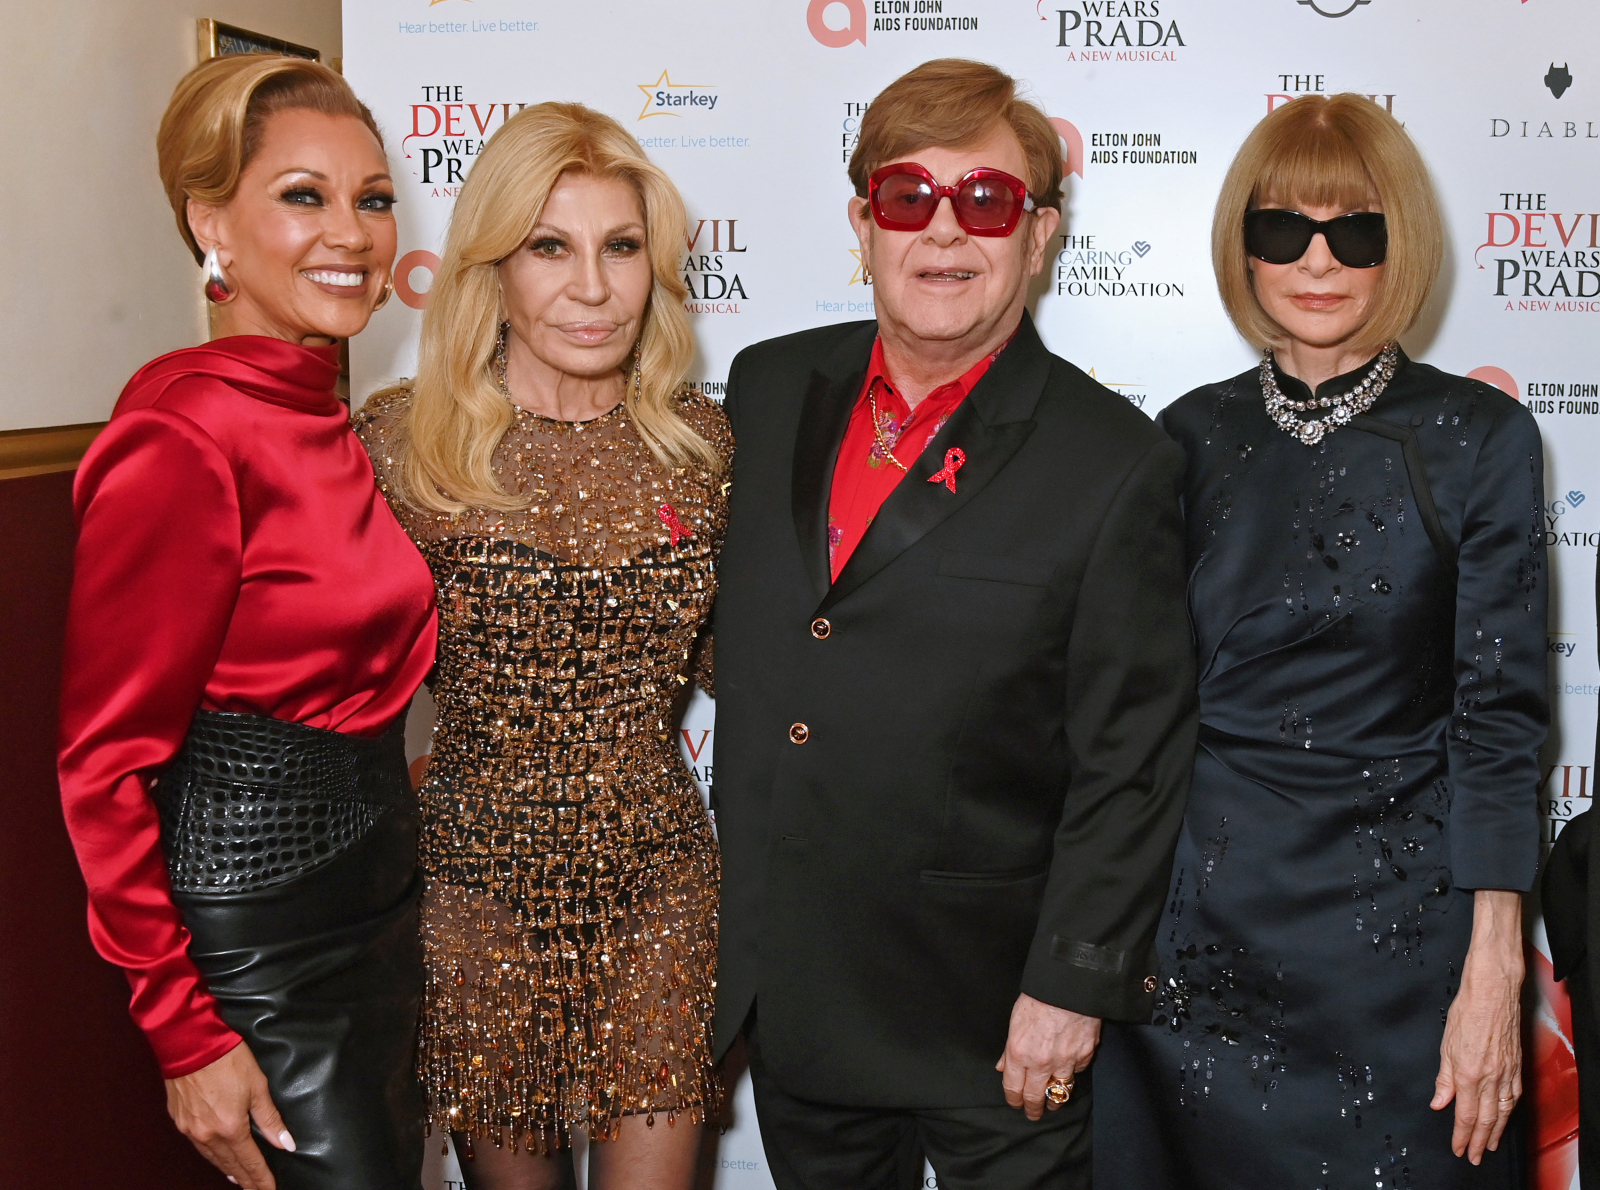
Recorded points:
457,414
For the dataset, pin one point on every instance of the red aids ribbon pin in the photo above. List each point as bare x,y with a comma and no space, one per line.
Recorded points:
954,458
669,518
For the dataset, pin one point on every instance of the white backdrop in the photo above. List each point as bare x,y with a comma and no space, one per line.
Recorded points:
753,108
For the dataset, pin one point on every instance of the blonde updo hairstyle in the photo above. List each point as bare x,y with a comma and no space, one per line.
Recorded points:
214,123
1332,151
457,414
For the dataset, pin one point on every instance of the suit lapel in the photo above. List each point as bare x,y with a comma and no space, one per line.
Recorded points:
824,417
990,426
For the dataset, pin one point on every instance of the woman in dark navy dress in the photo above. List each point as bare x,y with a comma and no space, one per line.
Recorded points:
1342,945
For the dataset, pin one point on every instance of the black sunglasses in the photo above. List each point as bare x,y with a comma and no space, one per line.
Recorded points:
1359,240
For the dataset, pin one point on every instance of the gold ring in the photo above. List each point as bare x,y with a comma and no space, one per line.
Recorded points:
1508,1099
1058,1090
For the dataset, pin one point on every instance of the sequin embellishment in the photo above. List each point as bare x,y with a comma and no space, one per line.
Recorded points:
570,912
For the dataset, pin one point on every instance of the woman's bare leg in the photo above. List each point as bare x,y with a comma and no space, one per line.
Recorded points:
664,1157
492,1168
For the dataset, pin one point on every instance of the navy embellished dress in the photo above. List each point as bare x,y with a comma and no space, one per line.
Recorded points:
1369,619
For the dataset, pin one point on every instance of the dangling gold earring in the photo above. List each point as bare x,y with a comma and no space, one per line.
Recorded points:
497,363
216,285
388,292
638,373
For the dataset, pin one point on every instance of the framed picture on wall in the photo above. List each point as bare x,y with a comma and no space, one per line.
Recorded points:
218,39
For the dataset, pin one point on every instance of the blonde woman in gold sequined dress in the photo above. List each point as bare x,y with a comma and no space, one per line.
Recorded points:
568,493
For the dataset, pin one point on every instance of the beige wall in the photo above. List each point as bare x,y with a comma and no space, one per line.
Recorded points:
96,280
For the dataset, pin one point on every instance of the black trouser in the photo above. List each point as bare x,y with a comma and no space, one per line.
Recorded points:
822,1146
1586,1048
1566,913
1565,896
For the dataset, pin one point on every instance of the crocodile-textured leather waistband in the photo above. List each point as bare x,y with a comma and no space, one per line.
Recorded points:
252,802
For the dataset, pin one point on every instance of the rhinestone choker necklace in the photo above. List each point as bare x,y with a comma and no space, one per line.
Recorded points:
1359,399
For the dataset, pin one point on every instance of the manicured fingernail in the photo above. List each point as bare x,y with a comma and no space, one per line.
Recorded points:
286,1140
233,1179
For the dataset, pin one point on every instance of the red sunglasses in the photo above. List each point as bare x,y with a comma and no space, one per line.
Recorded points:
986,202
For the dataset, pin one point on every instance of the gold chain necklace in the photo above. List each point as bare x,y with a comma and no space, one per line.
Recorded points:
877,428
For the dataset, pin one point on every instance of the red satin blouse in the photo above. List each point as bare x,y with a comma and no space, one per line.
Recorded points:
234,553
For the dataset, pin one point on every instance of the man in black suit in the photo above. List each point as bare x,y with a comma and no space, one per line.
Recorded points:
956,707
1570,899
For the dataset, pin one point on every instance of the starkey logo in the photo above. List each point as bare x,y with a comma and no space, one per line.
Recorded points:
667,98
862,273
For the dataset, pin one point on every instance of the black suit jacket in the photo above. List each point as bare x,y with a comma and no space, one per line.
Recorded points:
1570,899
999,723
1571,902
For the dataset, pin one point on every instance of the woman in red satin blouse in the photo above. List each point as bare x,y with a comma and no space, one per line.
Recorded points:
248,624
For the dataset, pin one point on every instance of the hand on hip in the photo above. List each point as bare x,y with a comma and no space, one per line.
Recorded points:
213,1107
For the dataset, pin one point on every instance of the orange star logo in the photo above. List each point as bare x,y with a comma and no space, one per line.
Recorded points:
1114,385
663,83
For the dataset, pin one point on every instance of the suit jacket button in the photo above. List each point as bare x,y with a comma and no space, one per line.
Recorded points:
799,733
1149,983
821,629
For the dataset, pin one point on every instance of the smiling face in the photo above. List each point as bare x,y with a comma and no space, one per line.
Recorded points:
1316,300
308,239
941,285
575,293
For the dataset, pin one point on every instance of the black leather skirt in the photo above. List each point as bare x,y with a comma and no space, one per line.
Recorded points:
292,854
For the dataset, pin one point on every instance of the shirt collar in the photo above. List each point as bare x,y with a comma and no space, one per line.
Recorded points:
878,370
272,370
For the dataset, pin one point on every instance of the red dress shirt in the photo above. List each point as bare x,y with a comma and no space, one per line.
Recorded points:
234,553
864,476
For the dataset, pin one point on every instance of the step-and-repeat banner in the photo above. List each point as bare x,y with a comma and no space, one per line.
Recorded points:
753,108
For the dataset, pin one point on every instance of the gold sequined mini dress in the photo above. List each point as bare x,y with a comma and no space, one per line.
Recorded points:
570,909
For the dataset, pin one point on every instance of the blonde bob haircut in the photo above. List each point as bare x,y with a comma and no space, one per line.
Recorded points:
954,103
214,122
457,414
1332,151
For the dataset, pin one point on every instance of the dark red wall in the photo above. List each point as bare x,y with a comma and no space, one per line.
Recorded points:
81,1101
